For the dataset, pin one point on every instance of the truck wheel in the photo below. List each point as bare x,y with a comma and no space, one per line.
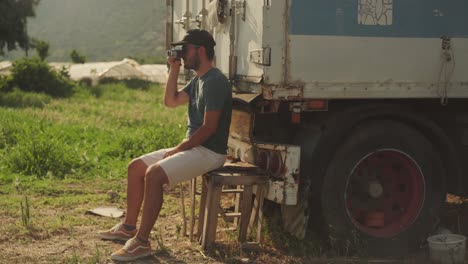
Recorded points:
382,190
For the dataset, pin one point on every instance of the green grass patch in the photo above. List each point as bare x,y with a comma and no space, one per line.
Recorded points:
95,133
20,99
61,156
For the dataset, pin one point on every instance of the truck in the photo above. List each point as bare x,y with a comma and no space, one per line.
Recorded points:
358,109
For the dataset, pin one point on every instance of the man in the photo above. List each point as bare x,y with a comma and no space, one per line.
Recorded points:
209,101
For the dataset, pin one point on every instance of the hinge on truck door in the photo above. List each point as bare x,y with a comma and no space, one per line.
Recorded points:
261,56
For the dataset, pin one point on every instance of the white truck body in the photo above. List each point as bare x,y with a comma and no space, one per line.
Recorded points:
277,44
341,69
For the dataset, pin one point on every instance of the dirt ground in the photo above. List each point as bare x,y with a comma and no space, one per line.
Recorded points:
80,244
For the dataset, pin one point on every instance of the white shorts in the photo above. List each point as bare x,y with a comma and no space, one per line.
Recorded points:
185,165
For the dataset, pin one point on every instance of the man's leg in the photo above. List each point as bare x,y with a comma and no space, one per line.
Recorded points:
182,166
135,190
155,179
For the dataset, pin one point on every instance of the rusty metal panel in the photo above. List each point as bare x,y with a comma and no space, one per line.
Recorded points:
241,125
284,182
284,189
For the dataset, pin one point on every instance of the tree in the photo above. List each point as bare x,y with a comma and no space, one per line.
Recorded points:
42,48
76,57
13,23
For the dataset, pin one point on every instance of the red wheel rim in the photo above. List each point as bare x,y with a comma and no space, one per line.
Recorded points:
385,193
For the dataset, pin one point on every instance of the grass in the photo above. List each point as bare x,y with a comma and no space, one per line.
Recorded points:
86,136
61,156
19,99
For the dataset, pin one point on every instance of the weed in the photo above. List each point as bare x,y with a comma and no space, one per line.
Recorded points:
25,212
18,185
178,230
74,259
163,249
96,258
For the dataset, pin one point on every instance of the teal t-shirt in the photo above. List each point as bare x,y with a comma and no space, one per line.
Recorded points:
210,92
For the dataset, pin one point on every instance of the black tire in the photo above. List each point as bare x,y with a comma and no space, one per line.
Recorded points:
346,235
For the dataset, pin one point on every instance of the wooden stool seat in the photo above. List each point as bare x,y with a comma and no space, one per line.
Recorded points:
232,174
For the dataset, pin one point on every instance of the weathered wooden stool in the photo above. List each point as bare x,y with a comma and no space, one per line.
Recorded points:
231,174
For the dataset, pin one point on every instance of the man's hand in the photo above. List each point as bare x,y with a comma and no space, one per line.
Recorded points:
171,152
177,149
174,63
172,97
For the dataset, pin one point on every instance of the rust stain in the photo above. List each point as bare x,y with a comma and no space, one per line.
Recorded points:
241,123
289,91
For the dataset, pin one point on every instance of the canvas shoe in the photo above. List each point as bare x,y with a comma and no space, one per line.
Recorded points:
133,249
118,232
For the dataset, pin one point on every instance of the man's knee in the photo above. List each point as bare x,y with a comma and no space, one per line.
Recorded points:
155,174
137,167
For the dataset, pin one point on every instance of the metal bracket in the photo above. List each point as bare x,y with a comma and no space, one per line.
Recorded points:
184,21
261,56
200,18
240,8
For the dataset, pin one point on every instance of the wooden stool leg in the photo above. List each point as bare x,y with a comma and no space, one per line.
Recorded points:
182,206
201,212
237,207
193,191
261,195
253,217
255,209
246,212
211,215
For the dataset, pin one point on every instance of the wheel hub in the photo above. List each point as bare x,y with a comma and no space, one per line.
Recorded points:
375,189
385,193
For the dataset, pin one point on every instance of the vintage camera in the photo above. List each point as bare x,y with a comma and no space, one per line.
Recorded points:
176,52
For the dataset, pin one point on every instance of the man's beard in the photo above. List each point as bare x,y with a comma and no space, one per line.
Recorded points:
193,64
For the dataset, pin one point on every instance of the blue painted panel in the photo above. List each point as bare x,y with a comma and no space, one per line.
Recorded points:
410,18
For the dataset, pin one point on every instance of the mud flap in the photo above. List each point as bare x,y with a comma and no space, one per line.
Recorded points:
295,218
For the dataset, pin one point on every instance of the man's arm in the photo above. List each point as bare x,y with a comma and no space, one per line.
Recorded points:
173,97
209,127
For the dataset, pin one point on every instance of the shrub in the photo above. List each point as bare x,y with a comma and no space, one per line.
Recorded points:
4,83
76,57
41,47
35,75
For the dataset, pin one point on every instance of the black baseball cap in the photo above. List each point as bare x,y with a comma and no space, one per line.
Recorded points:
199,37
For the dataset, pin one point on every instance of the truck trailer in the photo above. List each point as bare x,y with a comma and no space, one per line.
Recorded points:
358,109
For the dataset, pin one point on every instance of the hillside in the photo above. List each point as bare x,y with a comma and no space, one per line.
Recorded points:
101,30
